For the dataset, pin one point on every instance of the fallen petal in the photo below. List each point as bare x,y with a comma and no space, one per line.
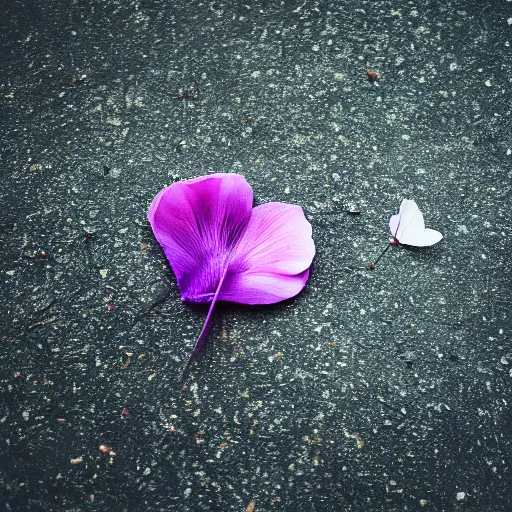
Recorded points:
222,249
198,222
408,226
273,257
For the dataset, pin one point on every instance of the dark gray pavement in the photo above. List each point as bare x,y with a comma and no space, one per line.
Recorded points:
372,391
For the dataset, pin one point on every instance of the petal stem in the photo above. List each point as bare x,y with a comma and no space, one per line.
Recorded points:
206,327
374,264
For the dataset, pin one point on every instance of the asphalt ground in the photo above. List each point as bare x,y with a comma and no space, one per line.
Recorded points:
383,390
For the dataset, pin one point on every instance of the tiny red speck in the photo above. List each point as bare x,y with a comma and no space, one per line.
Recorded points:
372,76
125,411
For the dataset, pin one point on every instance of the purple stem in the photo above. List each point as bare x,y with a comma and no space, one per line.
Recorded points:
206,327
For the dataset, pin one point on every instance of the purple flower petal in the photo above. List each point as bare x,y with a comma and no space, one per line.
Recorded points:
272,256
198,222
221,249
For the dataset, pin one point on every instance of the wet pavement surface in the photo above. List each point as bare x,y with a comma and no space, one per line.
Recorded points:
384,390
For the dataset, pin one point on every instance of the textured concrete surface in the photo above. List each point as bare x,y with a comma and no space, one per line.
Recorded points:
372,391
